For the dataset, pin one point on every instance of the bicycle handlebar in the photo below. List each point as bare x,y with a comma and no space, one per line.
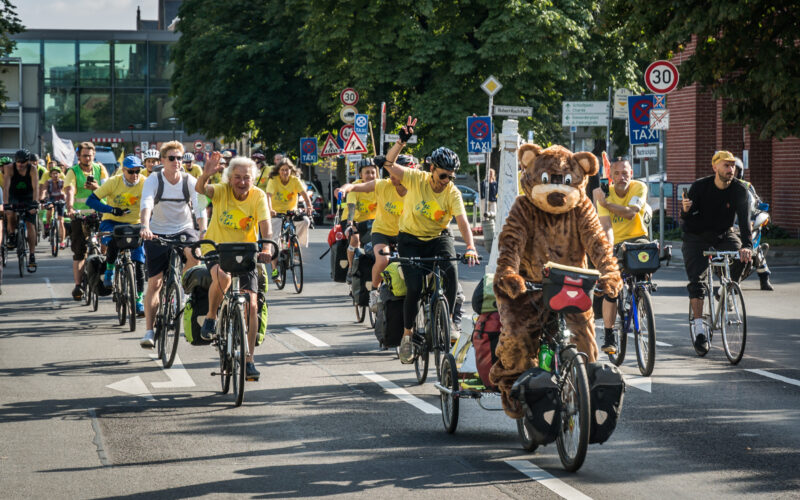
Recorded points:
418,261
719,255
21,207
213,257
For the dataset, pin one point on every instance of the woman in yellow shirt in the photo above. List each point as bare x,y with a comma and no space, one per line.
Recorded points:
240,213
282,189
431,202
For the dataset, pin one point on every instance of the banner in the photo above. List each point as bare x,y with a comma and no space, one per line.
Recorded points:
63,150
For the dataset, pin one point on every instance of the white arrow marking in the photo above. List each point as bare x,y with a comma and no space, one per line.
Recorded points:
307,337
178,376
639,382
133,385
401,393
547,480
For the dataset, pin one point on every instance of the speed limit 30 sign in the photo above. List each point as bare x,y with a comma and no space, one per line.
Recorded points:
661,77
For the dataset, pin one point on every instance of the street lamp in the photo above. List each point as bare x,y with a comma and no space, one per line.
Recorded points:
173,120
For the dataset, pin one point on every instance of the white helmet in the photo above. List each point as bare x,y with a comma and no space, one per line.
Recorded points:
188,157
152,153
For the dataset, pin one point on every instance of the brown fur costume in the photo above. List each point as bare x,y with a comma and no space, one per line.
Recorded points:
553,221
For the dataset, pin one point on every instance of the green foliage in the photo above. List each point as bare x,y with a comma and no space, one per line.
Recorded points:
746,53
9,25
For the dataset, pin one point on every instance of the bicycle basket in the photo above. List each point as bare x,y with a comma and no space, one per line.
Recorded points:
640,258
568,289
127,237
237,258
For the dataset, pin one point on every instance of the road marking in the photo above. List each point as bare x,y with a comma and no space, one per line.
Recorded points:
52,292
774,376
133,385
307,337
547,480
658,342
178,376
642,383
401,393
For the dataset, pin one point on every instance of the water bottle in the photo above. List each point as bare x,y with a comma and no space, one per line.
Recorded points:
546,358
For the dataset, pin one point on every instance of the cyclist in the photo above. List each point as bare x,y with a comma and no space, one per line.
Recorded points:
431,202
240,213
190,166
151,158
52,191
5,160
80,181
21,184
622,213
170,198
123,193
361,210
262,169
282,189
708,214
759,258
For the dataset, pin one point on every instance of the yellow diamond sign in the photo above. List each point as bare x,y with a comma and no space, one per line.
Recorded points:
491,86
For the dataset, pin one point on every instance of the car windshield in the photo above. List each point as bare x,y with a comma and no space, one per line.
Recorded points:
107,158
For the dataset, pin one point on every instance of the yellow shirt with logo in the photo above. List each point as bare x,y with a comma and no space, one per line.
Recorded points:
235,220
118,195
426,213
284,196
365,204
625,229
390,207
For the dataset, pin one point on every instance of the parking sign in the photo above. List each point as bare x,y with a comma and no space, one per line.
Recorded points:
639,107
479,134
308,150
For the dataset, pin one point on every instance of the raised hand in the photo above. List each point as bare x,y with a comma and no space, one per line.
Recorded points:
407,130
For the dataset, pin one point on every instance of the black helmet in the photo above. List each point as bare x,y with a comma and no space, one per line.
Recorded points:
365,162
445,158
23,155
405,160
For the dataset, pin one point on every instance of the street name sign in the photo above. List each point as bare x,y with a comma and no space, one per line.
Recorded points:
584,114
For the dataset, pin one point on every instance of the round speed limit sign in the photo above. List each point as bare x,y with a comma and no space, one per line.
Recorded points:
349,97
661,77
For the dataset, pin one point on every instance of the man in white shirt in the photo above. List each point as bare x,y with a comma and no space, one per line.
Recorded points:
168,199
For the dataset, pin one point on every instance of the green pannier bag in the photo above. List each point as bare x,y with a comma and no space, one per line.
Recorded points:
194,313
263,309
393,276
483,299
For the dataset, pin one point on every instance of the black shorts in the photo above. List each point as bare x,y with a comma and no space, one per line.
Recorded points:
247,281
58,209
382,239
364,229
156,256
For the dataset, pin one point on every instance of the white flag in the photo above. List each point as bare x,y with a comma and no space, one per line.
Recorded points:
63,150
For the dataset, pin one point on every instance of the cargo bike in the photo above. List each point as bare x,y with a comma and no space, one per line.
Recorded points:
565,399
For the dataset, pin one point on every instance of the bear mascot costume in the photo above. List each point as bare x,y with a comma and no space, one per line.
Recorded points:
553,221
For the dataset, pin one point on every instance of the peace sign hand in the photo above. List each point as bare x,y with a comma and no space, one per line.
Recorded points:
407,130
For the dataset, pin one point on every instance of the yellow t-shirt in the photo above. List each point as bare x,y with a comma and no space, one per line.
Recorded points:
195,171
117,194
625,229
365,204
262,179
69,178
427,213
284,197
390,207
235,220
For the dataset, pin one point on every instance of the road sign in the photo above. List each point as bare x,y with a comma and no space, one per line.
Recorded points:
349,97
639,107
308,150
491,86
344,134
512,111
584,113
361,125
661,77
137,149
395,138
645,151
348,114
329,148
659,119
354,145
145,145
208,147
354,157
477,158
621,103
479,134
198,145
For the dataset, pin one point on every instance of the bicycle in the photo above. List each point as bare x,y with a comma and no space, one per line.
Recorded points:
21,234
290,257
91,223
54,230
123,292
361,310
729,317
231,335
167,324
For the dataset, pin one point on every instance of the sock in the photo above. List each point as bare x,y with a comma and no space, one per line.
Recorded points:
149,332
698,326
109,266
608,331
139,296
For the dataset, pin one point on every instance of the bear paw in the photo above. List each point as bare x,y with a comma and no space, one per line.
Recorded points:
513,285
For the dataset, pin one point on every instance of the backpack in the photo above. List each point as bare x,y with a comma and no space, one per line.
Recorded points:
607,388
483,298
389,319
484,341
393,277
339,261
362,274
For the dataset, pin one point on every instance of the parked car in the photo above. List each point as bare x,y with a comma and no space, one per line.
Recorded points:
468,194
105,155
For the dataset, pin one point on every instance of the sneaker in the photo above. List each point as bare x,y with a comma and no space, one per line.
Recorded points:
701,344
77,292
108,278
250,372
374,297
62,246
609,344
274,274
148,340
31,263
208,330
139,308
406,350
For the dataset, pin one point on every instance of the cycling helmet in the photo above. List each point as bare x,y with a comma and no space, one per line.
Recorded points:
5,160
22,155
445,158
188,157
257,157
366,162
152,153
406,161
739,168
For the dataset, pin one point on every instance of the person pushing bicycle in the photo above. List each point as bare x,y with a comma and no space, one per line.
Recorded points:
707,211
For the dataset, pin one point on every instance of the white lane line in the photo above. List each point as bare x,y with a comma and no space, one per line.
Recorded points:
52,292
178,376
774,376
658,342
401,393
547,480
307,337
642,383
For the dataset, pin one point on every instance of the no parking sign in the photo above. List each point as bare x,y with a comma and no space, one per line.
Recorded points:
308,150
479,134
639,107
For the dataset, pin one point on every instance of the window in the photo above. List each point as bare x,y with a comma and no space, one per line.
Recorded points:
59,64
130,109
160,66
30,52
95,110
59,109
130,64
161,110
95,64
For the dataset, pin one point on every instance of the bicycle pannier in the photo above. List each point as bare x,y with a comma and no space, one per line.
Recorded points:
362,263
483,299
195,278
640,258
568,289
607,388
389,319
194,313
339,261
393,277
237,258
484,340
95,268
127,236
536,389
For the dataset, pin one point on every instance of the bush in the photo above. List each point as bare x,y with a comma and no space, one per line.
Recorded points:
775,232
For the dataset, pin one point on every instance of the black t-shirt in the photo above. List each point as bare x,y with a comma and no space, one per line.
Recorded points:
714,209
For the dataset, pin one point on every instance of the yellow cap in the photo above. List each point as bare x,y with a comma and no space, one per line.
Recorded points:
722,156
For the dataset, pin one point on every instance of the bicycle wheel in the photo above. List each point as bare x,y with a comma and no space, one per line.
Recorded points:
645,333
734,324
573,433
22,251
239,351
371,317
296,261
129,295
118,295
449,402
621,326
524,429
54,237
280,282
422,347
95,301
441,331
222,348
87,298
172,323
361,311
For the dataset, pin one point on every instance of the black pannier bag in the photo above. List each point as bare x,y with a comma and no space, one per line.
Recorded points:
339,262
536,389
607,388
389,319
640,258
568,289
362,274
127,236
95,269
237,258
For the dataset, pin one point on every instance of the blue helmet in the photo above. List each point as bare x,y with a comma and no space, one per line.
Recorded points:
132,161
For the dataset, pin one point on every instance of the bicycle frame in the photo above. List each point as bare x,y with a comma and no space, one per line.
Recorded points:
722,264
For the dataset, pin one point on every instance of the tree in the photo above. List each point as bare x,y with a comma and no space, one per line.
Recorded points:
747,53
9,25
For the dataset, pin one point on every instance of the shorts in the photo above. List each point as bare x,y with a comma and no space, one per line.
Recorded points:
157,255
247,281
58,209
364,229
382,239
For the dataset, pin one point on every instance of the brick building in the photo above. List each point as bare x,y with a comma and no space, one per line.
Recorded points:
697,131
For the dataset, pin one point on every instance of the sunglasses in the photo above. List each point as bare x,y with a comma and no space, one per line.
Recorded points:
133,170
446,176
175,158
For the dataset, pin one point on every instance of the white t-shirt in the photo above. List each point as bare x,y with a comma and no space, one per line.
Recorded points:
170,217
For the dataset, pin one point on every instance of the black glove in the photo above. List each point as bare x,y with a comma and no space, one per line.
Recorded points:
405,133
117,212
379,161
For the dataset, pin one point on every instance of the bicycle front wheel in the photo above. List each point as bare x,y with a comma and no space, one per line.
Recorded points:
573,432
22,253
222,347
734,323
296,261
645,333
420,339
239,351
440,332
172,324
118,295
54,237
129,295
621,327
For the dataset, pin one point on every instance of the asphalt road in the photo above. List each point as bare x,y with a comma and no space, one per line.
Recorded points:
86,413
